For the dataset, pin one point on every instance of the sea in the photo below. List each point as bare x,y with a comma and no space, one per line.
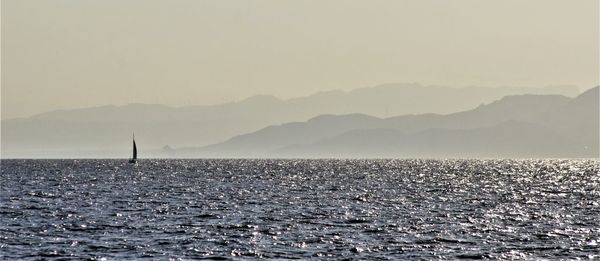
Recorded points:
170,209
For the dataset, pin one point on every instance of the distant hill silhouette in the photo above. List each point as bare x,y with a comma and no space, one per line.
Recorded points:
514,126
511,139
105,131
578,119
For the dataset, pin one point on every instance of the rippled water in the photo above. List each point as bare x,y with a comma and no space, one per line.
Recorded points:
366,209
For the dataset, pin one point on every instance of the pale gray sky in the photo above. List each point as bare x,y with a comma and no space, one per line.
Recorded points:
60,54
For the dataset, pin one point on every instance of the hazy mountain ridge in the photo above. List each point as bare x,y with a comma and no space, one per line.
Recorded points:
579,118
270,138
510,139
108,128
514,126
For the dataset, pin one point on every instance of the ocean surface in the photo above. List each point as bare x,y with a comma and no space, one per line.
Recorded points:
300,209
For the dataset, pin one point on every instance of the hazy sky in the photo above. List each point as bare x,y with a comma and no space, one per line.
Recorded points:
79,53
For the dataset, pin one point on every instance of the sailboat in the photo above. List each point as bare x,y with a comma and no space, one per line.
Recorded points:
134,158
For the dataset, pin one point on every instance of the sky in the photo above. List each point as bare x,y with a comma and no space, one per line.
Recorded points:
59,54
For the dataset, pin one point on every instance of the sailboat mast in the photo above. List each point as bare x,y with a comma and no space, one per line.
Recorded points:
134,148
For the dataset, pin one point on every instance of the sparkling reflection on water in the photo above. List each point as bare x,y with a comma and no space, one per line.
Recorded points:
319,209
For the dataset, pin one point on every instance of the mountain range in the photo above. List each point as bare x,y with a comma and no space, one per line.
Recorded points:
518,126
106,131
